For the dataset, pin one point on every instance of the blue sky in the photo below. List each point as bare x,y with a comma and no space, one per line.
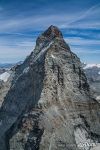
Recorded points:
21,21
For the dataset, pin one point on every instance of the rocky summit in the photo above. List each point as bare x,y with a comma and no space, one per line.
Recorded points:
48,104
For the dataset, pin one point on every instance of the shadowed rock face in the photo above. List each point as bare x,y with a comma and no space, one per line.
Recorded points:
2,70
49,105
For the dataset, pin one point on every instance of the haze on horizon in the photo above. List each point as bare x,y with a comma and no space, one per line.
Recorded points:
21,22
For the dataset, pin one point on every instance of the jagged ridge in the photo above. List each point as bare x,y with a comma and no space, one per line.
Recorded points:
49,104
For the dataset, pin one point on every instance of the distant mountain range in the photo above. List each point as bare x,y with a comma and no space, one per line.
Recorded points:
6,65
89,66
93,74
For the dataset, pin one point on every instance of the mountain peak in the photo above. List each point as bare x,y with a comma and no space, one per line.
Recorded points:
47,37
52,32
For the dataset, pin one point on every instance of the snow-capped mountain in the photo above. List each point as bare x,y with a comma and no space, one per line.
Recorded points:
92,71
5,70
6,65
4,76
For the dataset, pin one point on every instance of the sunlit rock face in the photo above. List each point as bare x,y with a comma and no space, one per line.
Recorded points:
49,105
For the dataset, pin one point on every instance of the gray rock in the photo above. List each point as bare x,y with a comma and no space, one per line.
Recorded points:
49,104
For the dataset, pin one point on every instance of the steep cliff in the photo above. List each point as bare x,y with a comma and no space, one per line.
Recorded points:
49,105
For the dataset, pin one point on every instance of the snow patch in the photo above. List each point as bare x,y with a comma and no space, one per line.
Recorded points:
97,147
4,76
26,70
99,72
43,51
53,56
82,140
98,98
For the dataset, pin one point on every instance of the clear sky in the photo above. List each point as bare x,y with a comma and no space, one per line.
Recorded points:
21,21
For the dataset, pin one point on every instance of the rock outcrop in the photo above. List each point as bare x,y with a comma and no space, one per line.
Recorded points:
49,105
2,70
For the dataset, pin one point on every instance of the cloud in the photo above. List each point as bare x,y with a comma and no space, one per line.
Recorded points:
91,11
32,22
84,46
15,49
22,22
85,51
80,19
88,19
14,53
82,41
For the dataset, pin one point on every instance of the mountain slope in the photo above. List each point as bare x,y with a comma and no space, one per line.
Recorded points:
49,105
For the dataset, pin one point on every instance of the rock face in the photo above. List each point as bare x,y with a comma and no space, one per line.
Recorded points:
2,70
49,105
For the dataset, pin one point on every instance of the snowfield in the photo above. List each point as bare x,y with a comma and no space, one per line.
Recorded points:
98,98
99,72
4,76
